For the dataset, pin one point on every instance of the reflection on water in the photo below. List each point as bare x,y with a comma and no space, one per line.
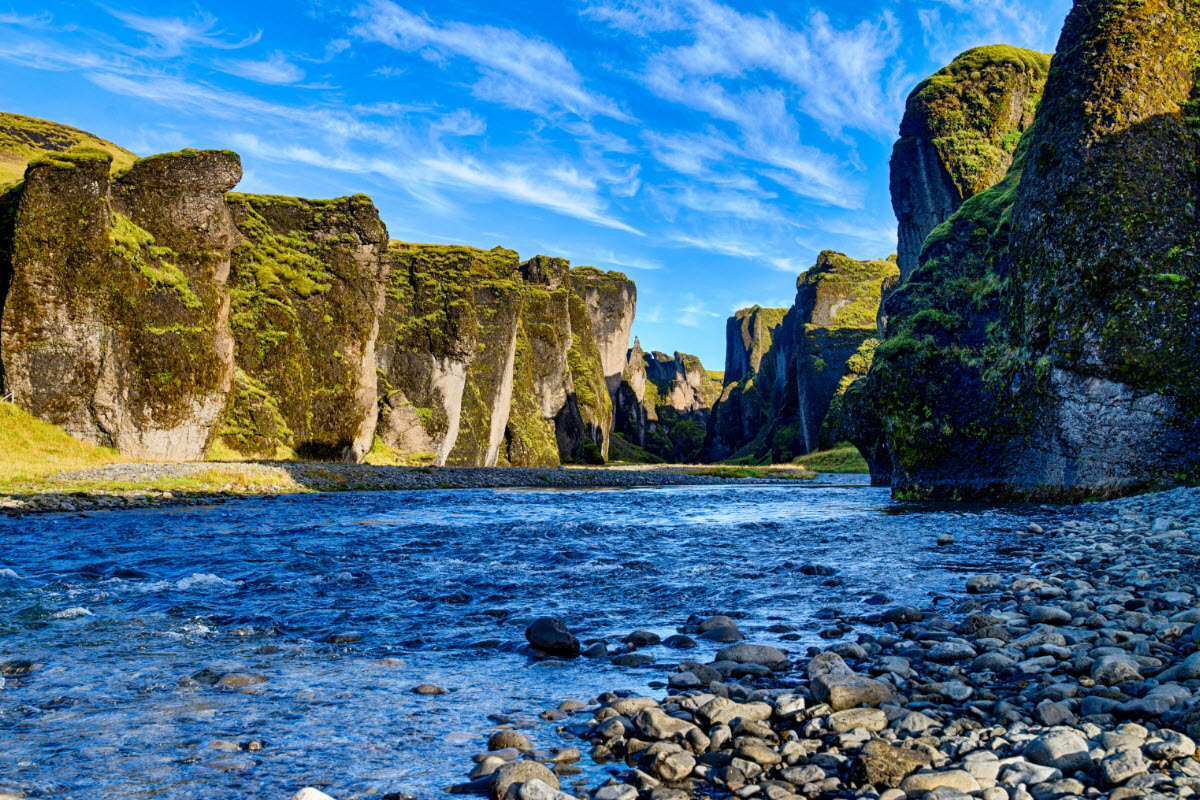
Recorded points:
119,610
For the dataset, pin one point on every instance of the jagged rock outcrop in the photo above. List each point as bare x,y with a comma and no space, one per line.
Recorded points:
835,333
759,391
307,294
663,404
787,369
611,301
115,324
1046,346
959,132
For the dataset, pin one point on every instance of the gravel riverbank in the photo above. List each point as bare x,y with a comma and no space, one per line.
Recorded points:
1079,679
290,477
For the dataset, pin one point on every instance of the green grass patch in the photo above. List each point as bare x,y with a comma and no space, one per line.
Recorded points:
844,458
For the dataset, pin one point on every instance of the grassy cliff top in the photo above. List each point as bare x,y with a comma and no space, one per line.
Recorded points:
24,138
447,261
844,292
593,273
980,59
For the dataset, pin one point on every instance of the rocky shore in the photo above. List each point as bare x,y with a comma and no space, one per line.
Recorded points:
292,477
1076,680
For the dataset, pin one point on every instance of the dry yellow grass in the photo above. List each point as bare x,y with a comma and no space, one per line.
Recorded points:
32,450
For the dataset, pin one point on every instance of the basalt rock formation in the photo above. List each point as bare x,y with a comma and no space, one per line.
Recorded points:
1045,348
152,311
960,130
787,369
611,300
307,291
116,319
663,406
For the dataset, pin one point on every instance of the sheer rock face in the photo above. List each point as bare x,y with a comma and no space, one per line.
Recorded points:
664,402
308,293
446,352
787,369
837,302
115,325
1105,243
1046,346
611,300
959,131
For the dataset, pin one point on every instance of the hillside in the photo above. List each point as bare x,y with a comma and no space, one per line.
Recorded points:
24,138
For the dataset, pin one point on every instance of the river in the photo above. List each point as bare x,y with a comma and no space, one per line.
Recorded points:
129,615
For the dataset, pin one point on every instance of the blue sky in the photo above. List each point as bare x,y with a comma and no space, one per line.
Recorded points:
708,149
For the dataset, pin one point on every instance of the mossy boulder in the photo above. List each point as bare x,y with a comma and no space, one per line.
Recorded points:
115,325
307,296
960,129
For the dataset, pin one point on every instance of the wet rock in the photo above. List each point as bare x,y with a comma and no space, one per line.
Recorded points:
945,539
309,793
518,772
616,791
770,657
535,789
428,689
642,639
633,660
719,621
597,650
672,767
551,636
654,723
724,635
240,680
1049,615
980,584
502,740
1111,670
903,615
679,642
722,711
17,666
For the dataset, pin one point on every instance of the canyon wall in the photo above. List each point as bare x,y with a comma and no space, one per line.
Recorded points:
153,311
663,406
1045,346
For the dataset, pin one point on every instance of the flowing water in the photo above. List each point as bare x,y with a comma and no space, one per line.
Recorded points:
120,610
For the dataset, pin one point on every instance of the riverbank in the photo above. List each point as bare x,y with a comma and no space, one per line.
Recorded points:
1078,679
144,485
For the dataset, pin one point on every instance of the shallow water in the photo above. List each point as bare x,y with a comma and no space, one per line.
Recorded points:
119,609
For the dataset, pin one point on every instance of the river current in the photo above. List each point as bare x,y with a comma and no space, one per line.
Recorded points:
129,616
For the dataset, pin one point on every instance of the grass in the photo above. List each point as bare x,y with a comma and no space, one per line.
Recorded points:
844,458
35,453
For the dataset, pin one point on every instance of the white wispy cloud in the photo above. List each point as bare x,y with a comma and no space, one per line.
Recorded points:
515,70
275,69
952,26
171,36
694,312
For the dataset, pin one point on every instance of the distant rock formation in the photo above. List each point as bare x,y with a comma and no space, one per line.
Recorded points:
787,369
663,404
1045,347
611,301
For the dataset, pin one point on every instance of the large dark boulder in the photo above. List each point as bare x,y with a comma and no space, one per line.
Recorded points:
551,636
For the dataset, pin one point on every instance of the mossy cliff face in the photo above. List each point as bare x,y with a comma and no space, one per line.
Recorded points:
307,294
1106,282
1037,353
960,129
450,321
663,404
116,321
759,386
611,301
837,302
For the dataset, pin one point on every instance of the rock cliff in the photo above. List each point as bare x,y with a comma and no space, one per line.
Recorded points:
611,301
663,404
307,291
115,325
179,321
959,131
1045,346
787,369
